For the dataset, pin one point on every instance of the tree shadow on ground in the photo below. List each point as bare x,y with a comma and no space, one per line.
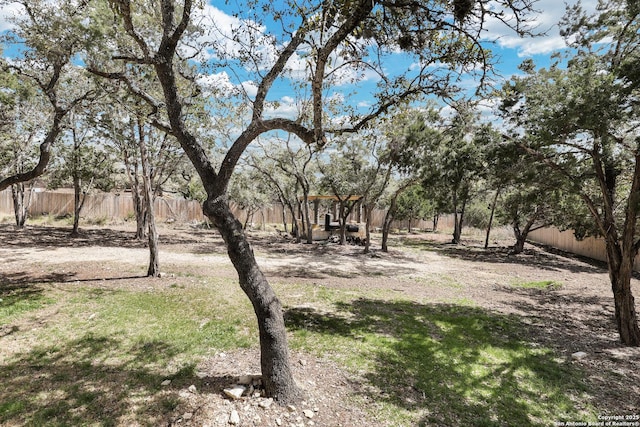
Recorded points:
451,365
314,267
47,237
570,323
21,292
95,380
538,257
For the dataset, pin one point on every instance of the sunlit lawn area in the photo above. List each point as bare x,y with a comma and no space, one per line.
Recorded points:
90,355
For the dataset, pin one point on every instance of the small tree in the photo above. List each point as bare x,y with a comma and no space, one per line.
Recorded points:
81,163
452,159
46,62
414,204
356,176
292,173
248,189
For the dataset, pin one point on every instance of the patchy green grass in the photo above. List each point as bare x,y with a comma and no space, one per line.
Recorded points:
443,364
103,356
542,284
16,300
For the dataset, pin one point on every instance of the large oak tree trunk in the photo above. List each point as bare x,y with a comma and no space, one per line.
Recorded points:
518,246
522,234
620,270
274,353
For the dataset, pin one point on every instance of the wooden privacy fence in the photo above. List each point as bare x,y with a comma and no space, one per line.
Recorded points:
590,247
102,205
119,206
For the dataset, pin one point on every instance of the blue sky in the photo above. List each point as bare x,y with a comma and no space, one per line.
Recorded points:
510,48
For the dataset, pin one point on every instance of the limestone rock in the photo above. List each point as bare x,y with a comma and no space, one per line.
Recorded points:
266,403
234,418
165,383
308,413
579,355
235,392
193,389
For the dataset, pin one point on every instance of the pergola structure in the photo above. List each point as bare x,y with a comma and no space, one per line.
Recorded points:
323,229
316,199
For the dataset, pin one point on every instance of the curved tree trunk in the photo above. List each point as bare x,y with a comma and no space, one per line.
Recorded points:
386,225
518,246
274,353
284,219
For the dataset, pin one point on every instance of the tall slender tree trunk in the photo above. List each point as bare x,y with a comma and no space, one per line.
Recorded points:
140,207
77,189
284,219
367,224
458,220
21,201
493,210
307,216
342,218
138,198
386,228
300,224
274,353
154,262
79,197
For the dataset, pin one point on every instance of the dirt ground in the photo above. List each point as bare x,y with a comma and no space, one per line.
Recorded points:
575,316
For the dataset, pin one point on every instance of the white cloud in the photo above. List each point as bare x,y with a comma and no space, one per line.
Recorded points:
7,12
216,83
286,107
226,36
545,22
250,88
